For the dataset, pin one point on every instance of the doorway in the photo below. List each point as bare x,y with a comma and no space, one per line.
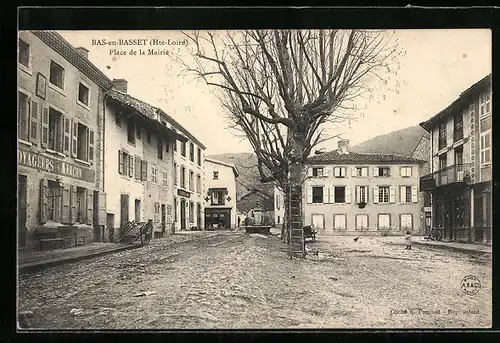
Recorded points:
123,211
98,229
183,214
318,222
137,210
163,219
198,216
21,209
110,222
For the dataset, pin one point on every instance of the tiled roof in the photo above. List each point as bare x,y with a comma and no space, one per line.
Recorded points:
334,157
458,104
142,108
66,50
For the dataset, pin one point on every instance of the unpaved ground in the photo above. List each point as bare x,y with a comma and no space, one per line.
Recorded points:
233,280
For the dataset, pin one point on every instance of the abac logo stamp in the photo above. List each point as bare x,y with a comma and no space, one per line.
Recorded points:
470,285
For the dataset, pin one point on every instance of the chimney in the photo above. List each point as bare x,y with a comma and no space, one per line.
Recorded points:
343,146
121,85
84,52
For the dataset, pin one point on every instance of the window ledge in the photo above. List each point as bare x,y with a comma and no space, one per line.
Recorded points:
485,165
81,104
57,89
50,151
22,141
82,162
25,69
483,116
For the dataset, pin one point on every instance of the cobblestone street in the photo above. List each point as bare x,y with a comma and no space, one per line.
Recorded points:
234,280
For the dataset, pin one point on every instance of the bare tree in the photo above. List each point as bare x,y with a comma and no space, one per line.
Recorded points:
280,87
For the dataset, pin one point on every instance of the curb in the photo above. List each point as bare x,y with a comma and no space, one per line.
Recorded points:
454,248
37,266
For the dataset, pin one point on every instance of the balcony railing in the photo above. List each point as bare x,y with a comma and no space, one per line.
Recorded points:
452,174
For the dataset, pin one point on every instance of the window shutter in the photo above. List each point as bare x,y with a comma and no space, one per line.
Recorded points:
44,185
366,194
91,146
90,206
414,194
102,208
130,166
332,195
336,171
74,138
375,171
348,195
402,194
120,162
410,171
65,205
72,215
401,171
33,123
144,170
358,194
310,171
375,195
354,172
343,171
364,172
325,194
309,195
45,127
66,135
392,194
137,168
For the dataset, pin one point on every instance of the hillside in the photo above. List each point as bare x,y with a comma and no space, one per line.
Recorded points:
249,177
401,142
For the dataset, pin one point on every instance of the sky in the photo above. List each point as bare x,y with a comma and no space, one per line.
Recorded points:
436,67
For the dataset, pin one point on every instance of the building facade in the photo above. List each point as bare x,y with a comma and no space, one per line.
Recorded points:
60,140
220,200
460,178
362,194
139,164
189,180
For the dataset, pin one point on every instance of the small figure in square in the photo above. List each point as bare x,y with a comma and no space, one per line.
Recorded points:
408,239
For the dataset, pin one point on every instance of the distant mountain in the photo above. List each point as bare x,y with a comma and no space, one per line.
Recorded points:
249,177
401,142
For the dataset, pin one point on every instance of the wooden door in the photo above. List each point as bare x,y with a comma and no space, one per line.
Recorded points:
124,206
183,214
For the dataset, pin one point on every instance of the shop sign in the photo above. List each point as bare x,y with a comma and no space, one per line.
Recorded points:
54,166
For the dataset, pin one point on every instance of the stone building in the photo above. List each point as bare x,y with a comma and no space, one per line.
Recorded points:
189,181
460,177
139,164
220,200
349,193
60,142
413,141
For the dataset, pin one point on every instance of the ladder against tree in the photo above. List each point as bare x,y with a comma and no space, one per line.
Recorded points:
296,245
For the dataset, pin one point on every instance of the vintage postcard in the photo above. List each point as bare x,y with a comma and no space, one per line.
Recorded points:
254,179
